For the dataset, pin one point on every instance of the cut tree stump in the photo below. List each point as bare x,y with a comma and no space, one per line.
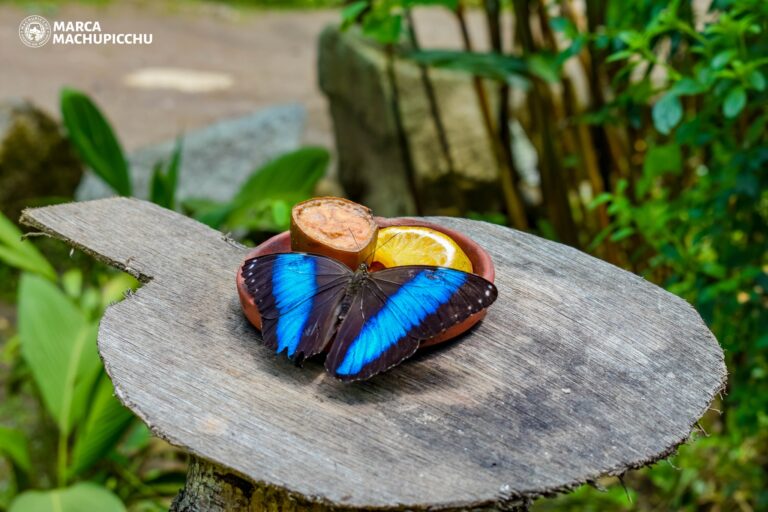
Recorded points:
580,370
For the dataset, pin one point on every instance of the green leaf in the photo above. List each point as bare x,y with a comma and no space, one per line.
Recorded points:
113,290
734,102
157,193
720,60
601,198
448,4
667,112
687,87
209,212
13,444
290,178
21,254
164,182
488,65
756,79
622,234
385,28
95,142
72,282
662,159
105,424
59,345
544,66
351,12
85,496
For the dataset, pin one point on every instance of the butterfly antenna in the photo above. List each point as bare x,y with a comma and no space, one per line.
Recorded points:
382,245
354,238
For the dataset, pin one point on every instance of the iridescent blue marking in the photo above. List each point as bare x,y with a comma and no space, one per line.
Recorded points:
405,309
293,282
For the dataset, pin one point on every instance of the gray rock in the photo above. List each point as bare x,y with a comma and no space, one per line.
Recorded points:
36,161
216,159
353,74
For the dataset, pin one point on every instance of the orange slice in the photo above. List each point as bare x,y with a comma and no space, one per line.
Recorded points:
417,245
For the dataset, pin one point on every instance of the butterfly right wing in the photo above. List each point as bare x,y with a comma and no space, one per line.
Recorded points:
298,296
397,308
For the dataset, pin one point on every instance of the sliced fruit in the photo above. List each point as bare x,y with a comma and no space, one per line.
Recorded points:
334,227
418,245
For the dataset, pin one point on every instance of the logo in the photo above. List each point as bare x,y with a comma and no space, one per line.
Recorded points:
34,31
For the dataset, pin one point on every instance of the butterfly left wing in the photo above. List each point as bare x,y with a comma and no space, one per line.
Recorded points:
298,296
396,309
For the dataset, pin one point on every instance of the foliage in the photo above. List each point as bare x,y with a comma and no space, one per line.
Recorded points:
57,323
264,201
82,496
95,142
20,253
165,181
657,165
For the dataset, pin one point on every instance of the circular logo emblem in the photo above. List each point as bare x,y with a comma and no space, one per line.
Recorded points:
34,31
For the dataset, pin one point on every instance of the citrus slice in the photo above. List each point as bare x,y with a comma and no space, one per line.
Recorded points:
418,245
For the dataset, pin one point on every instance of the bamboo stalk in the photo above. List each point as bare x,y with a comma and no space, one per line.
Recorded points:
508,175
554,194
437,118
402,138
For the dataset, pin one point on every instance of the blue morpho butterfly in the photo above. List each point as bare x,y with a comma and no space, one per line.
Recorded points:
372,321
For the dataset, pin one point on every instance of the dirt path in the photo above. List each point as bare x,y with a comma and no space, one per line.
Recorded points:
266,57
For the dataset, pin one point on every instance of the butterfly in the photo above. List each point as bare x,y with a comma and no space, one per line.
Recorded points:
370,321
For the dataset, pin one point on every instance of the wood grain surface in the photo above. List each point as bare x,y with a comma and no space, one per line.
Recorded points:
579,370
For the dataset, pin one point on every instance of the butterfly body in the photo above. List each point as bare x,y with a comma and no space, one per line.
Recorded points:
367,321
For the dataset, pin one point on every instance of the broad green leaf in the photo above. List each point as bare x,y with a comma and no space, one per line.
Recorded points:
734,102
290,178
95,142
667,112
13,444
105,424
82,497
59,345
21,254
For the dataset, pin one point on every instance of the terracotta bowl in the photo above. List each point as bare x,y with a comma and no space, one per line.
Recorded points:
481,265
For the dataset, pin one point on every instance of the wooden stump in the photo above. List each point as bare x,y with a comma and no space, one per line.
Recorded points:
580,370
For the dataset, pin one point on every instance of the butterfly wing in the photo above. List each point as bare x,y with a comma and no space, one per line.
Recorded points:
299,297
395,309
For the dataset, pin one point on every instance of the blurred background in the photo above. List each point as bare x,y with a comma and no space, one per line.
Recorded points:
634,130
